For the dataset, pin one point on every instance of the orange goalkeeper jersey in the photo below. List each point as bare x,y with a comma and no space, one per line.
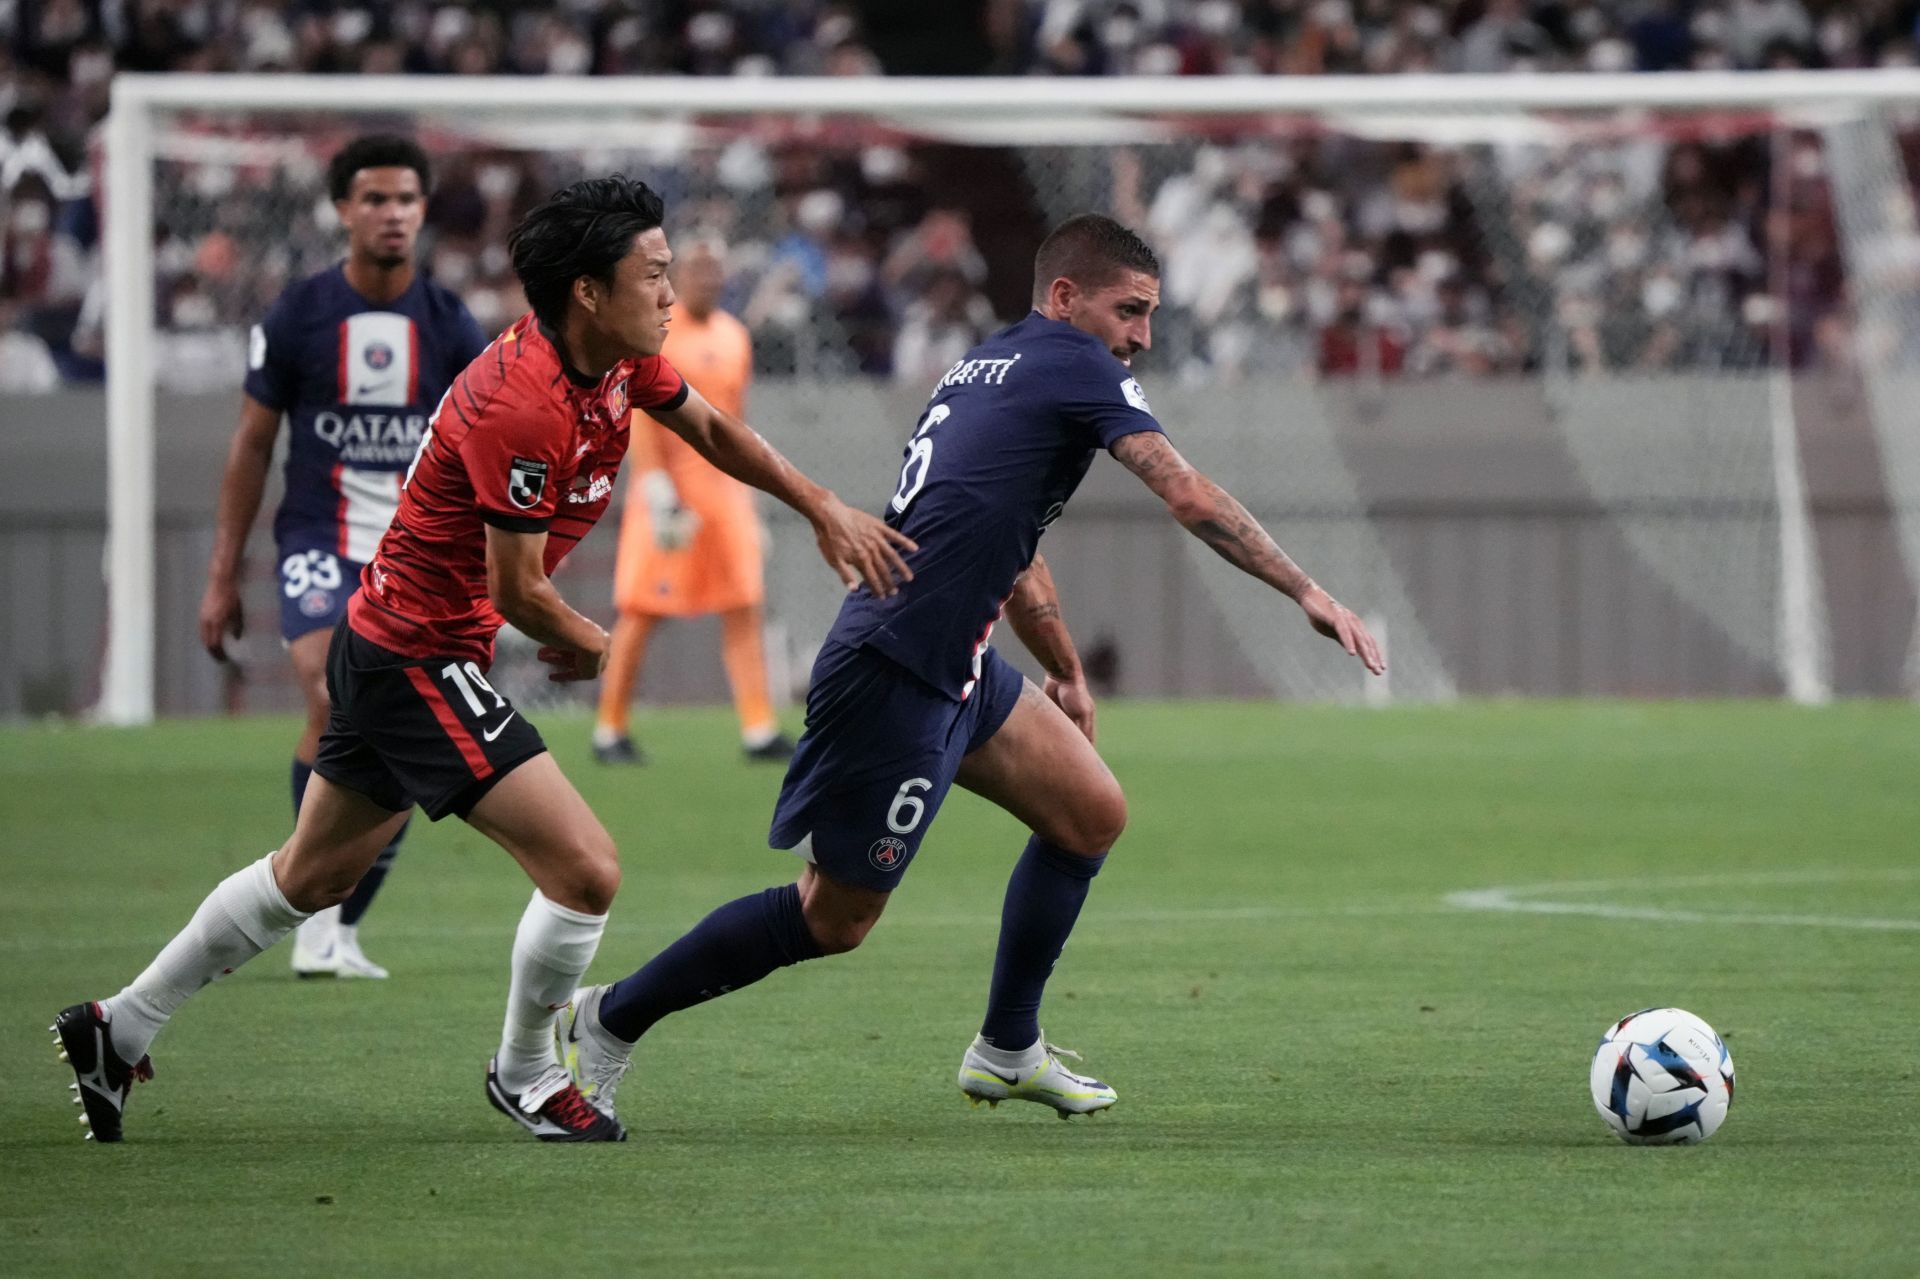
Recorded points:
721,569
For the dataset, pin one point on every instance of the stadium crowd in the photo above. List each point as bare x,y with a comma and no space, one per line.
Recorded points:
870,255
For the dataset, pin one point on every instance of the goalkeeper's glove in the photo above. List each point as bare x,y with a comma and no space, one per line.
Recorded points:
673,524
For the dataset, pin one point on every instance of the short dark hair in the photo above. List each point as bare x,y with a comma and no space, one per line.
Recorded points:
583,230
377,151
1090,250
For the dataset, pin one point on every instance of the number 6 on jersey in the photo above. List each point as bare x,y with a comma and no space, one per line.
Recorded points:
913,472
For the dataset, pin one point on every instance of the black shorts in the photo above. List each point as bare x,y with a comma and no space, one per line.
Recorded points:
417,730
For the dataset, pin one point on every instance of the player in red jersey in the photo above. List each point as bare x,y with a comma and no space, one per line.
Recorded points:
517,464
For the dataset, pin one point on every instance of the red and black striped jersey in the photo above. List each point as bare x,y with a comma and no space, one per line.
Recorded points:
521,442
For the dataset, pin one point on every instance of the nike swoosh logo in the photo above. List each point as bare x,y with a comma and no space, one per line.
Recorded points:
369,389
1010,1081
500,728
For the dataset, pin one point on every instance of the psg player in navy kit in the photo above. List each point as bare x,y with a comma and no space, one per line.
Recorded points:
355,358
907,697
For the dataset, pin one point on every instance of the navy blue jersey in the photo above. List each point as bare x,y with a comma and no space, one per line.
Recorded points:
357,383
1006,439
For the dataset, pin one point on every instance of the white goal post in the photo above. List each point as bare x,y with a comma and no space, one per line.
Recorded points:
1003,111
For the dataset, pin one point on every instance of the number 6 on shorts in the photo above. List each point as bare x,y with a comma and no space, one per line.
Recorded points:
900,821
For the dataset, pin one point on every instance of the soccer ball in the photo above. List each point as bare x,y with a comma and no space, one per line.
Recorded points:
1661,1076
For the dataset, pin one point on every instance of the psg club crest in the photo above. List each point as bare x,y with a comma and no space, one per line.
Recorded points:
379,356
316,603
617,401
888,853
526,482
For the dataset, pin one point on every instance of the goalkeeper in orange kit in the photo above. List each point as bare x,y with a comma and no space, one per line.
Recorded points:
690,543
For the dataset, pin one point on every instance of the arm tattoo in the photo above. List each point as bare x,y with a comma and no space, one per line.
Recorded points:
1210,512
1034,611
1148,455
1237,538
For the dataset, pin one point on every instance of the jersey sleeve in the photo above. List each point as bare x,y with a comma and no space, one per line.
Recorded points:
656,386
513,453
273,362
1097,392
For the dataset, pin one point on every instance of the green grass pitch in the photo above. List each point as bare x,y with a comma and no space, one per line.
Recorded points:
1324,1067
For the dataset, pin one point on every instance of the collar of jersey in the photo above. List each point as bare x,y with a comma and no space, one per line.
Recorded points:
573,375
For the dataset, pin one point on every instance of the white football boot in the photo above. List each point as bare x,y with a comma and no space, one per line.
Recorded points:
314,943
1038,1076
349,960
595,1059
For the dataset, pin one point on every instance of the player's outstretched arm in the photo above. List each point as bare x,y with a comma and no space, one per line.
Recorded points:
519,587
1211,514
1034,611
855,545
241,484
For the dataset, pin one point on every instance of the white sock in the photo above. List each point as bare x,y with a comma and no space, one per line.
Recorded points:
1011,1059
243,916
551,952
318,929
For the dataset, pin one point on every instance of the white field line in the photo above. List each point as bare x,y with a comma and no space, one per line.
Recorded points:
1542,899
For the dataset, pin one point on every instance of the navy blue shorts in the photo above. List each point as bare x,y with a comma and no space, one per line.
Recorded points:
880,753
315,585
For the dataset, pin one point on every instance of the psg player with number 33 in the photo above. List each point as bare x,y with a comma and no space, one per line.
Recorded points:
354,358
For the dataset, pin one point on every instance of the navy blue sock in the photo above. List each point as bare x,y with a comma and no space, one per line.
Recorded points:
356,905
301,772
735,946
1044,897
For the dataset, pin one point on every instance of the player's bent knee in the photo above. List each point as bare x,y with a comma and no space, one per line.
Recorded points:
1092,827
594,875
310,885
1112,821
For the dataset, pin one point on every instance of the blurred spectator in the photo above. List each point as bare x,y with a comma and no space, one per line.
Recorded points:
940,326
1293,251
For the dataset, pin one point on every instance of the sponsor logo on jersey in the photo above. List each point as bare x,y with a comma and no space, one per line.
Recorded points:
372,439
586,491
888,854
526,482
1135,396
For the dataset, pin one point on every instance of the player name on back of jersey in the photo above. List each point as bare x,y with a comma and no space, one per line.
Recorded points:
371,439
986,372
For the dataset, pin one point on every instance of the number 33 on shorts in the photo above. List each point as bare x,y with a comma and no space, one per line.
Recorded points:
314,588
305,571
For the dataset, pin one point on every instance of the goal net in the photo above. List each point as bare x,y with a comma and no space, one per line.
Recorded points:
1578,385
